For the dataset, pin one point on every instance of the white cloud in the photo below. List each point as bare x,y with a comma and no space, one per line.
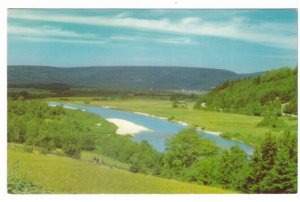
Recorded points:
190,20
271,34
43,34
72,41
46,31
169,40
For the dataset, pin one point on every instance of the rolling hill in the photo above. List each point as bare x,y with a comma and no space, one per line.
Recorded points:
67,175
273,92
122,77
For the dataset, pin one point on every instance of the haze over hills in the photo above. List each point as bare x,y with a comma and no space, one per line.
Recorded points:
123,77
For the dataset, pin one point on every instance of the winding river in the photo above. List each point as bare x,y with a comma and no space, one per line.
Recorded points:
159,129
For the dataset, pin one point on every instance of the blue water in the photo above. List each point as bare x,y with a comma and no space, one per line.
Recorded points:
161,129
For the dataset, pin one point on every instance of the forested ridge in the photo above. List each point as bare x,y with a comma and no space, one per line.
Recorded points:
274,92
135,78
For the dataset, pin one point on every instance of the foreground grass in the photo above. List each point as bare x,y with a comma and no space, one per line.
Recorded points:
66,175
241,127
104,160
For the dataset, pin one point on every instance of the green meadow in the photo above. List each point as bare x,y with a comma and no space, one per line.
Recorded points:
64,175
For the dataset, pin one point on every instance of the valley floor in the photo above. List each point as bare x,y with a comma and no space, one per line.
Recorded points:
236,126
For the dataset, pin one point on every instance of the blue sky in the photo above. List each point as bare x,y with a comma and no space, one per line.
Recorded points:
238,40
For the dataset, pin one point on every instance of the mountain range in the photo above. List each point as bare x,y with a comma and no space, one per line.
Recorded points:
123,77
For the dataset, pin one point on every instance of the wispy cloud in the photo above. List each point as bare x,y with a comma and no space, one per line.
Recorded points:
236,28
54,34
56,40
46,31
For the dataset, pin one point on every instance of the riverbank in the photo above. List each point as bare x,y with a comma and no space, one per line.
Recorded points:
238,126
217,133
126,127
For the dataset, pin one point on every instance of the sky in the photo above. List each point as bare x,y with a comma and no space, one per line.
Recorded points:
242,41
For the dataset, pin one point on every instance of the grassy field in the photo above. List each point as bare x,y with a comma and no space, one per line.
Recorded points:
241,127
66,175
107,161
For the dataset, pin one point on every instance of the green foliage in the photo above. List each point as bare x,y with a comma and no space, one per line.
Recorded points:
54,128
271,169
272,121
145,159
205,171
282,178
28,148
49,128
274,166
228,169
20,184
184,149
71,150
233,168
179,104
256,96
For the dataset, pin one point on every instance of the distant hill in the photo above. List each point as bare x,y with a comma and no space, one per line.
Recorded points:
272,92
123,77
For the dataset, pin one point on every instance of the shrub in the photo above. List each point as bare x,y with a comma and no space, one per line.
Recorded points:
71,150
28,148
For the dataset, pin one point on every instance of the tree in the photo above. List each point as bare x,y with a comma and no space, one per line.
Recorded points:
145,159
283,176
184,149
205,171
234,168
262,162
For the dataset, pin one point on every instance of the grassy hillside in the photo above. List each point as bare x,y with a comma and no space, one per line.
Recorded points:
273,92
121,78
66,175
241,127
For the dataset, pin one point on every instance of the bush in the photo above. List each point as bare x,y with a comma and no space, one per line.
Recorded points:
28,148
43,150
21,184
134,168
71,150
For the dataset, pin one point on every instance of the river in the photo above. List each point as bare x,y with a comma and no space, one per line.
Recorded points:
160,129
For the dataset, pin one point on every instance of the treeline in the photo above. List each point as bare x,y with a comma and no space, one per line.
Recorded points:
54,90
271,169
271,93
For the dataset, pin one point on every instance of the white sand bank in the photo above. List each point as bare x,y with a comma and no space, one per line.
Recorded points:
153,116
127,127
67,107
211,132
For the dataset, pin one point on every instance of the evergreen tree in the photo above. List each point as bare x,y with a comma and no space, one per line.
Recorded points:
262,162
283,176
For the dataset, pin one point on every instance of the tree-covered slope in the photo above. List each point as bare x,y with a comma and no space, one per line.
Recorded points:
274,92
122,77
